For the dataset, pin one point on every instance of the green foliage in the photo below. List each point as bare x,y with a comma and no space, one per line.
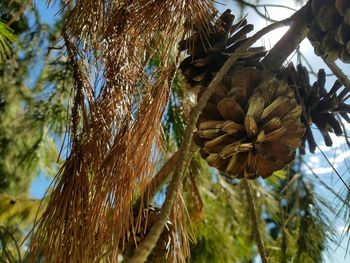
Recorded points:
6,38
10,250
16,215
174,120
33,115
301,227
33,104
223,234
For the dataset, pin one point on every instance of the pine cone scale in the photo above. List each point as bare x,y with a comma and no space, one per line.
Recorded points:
330,29
233,128
317,105
257,114
230,109
208,53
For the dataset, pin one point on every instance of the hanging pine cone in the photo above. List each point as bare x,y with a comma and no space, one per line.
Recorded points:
251,126
137,234
208,53
319,105
330,29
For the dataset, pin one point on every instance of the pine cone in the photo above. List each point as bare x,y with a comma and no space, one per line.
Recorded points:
330,29
251,126
208,53
319,106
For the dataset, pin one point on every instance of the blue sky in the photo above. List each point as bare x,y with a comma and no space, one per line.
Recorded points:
338,155
48,15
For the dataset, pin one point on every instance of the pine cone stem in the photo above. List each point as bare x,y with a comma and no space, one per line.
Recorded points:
338,72
255,222
290,41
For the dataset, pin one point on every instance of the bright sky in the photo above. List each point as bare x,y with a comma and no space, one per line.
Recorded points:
338,155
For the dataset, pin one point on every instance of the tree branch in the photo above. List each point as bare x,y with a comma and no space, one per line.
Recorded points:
159,179
290,41
164,173
146,246
255,220
338,73
255,7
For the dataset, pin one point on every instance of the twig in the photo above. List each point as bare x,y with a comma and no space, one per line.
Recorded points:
290,41
146,246
335,170
338,72
255,223
255,7
164,173
325,185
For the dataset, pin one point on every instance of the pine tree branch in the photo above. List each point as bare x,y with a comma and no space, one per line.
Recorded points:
338,73
160,178
290,41
256,7
326,185
164,173
146,246
255,222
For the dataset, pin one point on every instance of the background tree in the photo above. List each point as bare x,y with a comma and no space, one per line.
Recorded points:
33,113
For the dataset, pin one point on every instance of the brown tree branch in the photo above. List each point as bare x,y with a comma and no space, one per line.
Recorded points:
164,173
146,246
338,73
255,220
159,179
290,41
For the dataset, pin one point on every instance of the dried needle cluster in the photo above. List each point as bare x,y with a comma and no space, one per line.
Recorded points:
116,121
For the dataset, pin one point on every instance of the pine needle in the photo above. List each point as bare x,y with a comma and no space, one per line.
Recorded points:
115,123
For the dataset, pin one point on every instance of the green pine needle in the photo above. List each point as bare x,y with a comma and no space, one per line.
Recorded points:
7,37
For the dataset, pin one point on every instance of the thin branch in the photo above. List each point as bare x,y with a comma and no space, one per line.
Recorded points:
255,7
164,173
338,72
146,246
255,220
277,6
325,185
290,41
335,170
159,179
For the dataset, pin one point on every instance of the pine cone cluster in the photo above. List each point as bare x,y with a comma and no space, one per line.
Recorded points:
330,29
251,126
319,106
208,52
